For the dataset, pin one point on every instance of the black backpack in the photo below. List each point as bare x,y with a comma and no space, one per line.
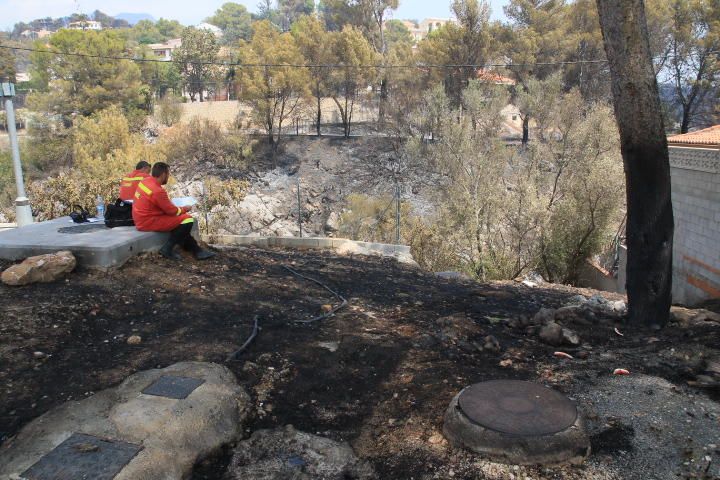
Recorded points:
119,214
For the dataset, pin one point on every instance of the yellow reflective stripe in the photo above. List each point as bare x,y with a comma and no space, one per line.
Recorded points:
144,189
125,184
187,220
179,212
133,179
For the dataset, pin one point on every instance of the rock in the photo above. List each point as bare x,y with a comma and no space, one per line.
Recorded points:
40,269
569,337
450,275
506,363
39,355
286,453
571,314
326,308
491,344
577,300
436,439
175,434
545,315
686,315
619,306
134,340
332,346
332,224
552,334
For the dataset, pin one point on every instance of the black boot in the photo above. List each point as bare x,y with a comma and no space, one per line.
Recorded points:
202,254
168,250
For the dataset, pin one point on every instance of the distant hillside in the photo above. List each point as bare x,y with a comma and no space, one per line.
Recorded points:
133,18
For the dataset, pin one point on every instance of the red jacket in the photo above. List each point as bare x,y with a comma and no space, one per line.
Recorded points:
129,184
153,211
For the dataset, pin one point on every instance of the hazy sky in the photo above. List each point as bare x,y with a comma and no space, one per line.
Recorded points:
186,11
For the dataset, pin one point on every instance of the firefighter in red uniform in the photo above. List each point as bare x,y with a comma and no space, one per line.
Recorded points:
129,184
154,212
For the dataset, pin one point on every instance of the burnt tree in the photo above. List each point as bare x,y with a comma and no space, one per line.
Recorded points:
650,222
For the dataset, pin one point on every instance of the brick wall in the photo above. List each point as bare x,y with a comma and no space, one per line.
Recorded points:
695,176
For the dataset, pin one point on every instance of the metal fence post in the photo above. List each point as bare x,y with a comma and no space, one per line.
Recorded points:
23,211
397,214
299,207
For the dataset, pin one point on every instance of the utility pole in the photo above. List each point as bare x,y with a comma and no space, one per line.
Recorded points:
23,212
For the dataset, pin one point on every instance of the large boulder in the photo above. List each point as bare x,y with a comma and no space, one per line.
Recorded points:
40,269
286,453
174,433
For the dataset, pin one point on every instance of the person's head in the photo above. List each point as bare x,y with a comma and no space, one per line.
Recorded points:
161,171
143,166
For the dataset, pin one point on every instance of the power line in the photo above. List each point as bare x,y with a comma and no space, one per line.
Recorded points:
293,65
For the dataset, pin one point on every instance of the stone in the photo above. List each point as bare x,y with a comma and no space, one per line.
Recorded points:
175,434
286,453
491,344
570,337
40,269
332,224
134,340
552,334
576,300
451,275
570,314
543,316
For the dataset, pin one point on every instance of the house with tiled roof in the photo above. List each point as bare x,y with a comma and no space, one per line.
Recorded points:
695,179
695,174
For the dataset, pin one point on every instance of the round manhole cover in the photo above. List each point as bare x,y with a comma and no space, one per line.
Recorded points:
517,408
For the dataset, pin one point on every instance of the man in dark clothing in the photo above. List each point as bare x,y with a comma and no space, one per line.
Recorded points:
154,212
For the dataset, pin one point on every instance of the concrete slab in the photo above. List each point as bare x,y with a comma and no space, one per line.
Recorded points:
99,248
171,434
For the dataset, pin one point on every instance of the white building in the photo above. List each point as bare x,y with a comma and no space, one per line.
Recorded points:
85,25
695,181
163,51
695,173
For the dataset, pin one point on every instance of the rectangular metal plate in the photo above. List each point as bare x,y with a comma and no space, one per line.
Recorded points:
173,387
83,457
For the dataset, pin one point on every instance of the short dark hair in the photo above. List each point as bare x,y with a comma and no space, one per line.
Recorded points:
159,168
142,164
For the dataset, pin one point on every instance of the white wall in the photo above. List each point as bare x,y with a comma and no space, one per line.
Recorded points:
695,176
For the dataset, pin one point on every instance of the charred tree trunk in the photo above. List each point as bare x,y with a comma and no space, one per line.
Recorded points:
645,154
525,130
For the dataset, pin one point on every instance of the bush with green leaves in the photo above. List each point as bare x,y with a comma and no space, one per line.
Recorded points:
204,141
169,110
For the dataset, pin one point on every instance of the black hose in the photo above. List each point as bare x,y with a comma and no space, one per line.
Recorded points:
234,356
325,315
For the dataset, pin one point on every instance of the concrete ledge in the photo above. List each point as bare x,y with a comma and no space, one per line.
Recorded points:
99,249
339,245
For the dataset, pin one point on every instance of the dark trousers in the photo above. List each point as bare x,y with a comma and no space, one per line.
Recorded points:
182,236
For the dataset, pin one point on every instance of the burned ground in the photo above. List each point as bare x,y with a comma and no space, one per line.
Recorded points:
379,374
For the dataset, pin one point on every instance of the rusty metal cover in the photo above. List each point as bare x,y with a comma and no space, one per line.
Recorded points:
171,386
517,408
83,457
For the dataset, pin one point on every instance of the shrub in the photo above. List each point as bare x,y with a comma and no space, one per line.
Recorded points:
169,110
204,141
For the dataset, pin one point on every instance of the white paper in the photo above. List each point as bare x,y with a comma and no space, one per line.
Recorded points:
184,201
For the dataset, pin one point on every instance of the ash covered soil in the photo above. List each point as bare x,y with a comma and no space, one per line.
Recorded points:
379,374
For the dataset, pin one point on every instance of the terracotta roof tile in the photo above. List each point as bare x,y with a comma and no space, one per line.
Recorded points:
708,136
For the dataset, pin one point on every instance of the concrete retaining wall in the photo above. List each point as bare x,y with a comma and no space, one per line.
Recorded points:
696,204
339,245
